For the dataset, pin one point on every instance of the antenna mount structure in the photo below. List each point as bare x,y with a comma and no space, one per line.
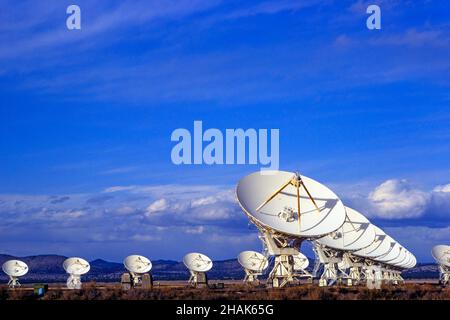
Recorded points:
198,264
138,273
254,264
441,254
75,267
14,269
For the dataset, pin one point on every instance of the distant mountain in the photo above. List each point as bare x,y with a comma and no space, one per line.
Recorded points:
422,271
48,268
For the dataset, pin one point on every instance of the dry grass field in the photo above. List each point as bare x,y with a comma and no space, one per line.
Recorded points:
234,291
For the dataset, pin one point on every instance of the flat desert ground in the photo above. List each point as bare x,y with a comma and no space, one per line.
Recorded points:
423,289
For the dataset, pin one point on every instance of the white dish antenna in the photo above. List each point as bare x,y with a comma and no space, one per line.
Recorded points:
197,262
356,233
441,253
137,264
301,262
290,204
405,264
414,262
392,254
401,258
253,261
379,247
14,269
75,267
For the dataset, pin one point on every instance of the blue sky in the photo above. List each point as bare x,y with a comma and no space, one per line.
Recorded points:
86,118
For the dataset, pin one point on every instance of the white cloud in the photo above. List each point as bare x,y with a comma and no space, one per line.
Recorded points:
219,212
226,196
195,230
118,188
157,206
442,188
397,199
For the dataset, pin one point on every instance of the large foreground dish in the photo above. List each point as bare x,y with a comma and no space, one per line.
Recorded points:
288,208
272,200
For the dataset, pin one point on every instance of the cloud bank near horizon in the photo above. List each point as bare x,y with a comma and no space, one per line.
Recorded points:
199,216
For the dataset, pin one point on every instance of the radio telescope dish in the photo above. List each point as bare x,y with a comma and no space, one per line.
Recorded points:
392,254
75,267
414,262
137,264
410,263
301,262
441,253
356,233
198,264
14,269
406,263
138,267
254,263
379,247
273,200
401,258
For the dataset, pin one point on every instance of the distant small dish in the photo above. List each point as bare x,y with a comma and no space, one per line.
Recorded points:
14,269
137,264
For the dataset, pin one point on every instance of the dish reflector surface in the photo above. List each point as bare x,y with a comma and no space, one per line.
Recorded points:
301,262
253,190
379,247
413,262
253,261
197,262
392,254
401,258
15,268
356,233
76,266
409,261
441,253
137,264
